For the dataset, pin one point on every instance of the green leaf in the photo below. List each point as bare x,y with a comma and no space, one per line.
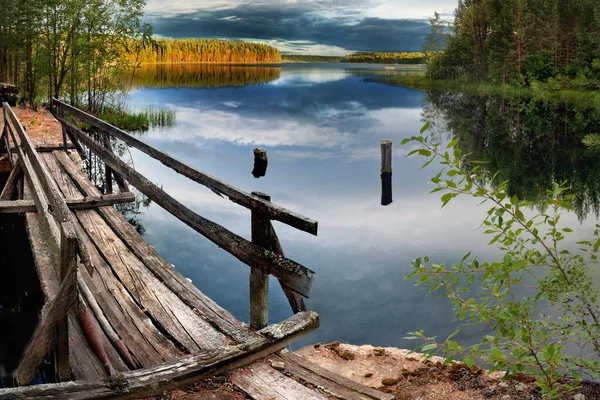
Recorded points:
429,347
468,361
452,143
514,199
425,127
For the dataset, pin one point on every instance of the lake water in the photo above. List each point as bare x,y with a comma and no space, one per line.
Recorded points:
322,126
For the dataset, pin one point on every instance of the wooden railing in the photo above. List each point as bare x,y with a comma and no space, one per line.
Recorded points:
263,254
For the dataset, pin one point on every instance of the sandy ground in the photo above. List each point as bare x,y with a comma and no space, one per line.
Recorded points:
399,372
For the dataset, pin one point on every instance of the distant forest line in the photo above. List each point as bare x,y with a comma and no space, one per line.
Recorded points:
179,51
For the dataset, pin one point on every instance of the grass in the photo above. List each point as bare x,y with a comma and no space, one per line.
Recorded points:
138,121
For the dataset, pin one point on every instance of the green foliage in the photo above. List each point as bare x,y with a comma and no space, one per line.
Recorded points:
537,301
205,51
385,58
522,41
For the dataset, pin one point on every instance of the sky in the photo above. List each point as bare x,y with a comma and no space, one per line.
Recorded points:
321,27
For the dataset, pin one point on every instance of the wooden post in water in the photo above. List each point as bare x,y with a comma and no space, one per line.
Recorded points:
386,172
259,280
261,161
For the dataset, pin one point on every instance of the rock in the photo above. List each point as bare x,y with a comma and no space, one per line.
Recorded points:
368,374
347,355
579,396
390,381
278,365
503,385
379,352
317,345
521,387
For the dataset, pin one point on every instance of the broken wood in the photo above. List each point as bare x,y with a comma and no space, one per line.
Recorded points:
294,275
10,188
185,370
237,196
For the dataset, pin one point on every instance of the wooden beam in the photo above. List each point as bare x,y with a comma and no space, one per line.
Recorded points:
25,206
338,386
59,207
57,310
47,147
238,196
259,280
294,275
186,370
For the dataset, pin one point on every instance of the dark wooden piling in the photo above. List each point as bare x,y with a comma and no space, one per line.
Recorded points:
386,172
261,162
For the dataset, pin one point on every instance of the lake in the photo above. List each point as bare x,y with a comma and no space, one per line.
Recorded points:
321,125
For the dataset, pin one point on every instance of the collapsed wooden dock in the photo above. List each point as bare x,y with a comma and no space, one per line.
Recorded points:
119,320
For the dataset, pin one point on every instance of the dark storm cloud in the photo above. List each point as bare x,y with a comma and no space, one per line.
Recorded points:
297,23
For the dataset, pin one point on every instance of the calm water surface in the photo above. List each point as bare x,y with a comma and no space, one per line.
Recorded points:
321,126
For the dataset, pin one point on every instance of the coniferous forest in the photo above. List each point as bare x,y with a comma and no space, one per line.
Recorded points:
385,58
206,51
555,42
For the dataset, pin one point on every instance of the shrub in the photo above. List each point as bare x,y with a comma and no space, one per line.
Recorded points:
528,333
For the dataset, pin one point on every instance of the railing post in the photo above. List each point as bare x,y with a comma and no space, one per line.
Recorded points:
259,280
68,264
107,171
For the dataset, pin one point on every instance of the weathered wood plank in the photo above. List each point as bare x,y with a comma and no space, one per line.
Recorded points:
84,364
164,271
24,206
56,310
337,385
59,207
46,147
294,275
189,369
262,382
148,345
237,196
166,309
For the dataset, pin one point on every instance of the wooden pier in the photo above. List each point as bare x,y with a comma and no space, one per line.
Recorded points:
119,320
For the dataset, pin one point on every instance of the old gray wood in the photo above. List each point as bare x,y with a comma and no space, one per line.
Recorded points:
24,206
185,370
259,280
340,387
237,196
261,382
294,275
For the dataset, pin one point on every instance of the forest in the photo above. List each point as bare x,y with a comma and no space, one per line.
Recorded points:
555,43
68,48
385,58
303,58
204,51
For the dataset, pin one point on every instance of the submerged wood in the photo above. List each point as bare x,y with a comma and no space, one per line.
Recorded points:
237,196
261,162
294,275
185,370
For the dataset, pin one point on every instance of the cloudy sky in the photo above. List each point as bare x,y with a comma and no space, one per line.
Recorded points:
328,27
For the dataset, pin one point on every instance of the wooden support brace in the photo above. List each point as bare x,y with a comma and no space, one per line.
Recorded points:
68,263
259,280
294,275
107,171
57,310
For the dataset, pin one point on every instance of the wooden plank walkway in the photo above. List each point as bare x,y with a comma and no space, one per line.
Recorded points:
127,323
